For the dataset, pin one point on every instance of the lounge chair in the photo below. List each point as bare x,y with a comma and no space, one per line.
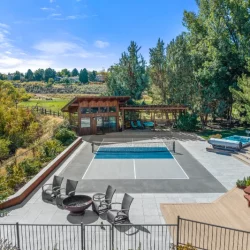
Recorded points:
139,124
53,189
149,124
115,216
102,202
133,125
68,191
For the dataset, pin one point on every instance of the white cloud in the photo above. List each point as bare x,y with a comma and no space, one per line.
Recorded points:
53,48
100,44
52,1
8,52
47,9
78,0
4,26
55,14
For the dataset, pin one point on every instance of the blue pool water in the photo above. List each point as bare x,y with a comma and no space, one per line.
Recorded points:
243,139
133,153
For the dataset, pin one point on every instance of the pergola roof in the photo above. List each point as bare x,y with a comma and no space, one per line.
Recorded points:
75,102
154,107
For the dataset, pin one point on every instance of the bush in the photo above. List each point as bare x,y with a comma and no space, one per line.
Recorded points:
30,166
187,122
243,183
5,245
16,179
186,247
218,136
65,136
50,149
4,189
4,149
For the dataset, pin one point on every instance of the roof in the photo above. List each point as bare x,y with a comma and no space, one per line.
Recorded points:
154,107
74,102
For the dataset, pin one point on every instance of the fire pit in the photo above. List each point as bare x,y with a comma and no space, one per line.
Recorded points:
77,204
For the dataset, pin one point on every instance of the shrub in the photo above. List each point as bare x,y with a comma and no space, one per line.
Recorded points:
50,149
187,122
65,136
245,182
4,149
5,191
30,166
218,136
186,247
5,245
16,179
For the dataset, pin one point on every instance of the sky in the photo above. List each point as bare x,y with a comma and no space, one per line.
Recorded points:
80,34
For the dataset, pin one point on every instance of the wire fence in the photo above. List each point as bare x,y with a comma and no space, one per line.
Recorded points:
124,236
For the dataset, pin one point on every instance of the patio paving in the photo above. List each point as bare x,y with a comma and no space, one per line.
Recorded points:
146,206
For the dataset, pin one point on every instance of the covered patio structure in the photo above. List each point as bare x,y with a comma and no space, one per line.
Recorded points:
89,115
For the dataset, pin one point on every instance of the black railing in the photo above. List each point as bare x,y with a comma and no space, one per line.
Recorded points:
86,237
208,236
124,236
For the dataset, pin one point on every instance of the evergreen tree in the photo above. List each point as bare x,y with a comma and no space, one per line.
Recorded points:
74,72
49,73
39,75
17,76
92,76
158,70
83,76
29,75
129,76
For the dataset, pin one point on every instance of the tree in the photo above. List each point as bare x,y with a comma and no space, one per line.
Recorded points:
129,76
83,76
74,72
158,70
219,38
39,75
49,73
241,97
92,76
51,81
17,76
29,75
65,73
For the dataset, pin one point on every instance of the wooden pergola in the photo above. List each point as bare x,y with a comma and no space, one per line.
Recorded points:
170,112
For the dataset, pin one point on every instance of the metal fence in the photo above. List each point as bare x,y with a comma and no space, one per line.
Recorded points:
208,236
90,237
124,236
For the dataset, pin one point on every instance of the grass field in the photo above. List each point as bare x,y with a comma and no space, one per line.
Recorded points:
54,105
225,133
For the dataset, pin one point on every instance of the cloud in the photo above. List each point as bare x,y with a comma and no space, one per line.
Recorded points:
100,44
8,52
52,47
4,26
47,9
52,1
78,0
55,14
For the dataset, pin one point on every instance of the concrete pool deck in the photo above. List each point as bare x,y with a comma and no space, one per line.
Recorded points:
221,173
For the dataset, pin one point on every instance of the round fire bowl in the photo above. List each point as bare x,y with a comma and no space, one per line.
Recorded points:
77,204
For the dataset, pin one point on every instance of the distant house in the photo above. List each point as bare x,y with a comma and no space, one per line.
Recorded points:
73,79
57,78
10,76
100,78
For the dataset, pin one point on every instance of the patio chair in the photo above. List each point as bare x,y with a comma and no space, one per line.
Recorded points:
139,124
115,216
133,125
102,202
68,191
53,189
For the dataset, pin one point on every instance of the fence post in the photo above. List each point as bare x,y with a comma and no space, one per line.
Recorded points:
18,236
174,146
82,236
178,231
112,246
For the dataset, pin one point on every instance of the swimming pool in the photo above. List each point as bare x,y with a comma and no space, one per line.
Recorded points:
243,139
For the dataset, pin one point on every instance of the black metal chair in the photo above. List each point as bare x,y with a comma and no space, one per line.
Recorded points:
101,202
68,191
48,194
115,215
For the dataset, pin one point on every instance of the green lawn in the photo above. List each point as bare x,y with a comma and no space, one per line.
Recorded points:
54,105
225,133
